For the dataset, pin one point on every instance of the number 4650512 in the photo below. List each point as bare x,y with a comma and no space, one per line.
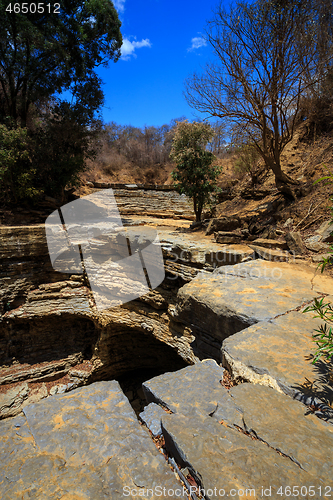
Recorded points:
33,8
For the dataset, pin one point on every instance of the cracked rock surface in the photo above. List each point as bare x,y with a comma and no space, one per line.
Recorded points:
84,445
233,298
255,437
279,354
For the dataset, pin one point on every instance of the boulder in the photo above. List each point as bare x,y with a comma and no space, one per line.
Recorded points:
152,416
288,222
223,224
324,231
268,243
295,242
315,245
226,237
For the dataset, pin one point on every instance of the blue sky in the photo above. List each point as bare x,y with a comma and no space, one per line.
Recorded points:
162,46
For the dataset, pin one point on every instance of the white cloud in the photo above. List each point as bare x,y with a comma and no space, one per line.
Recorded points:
128,47
197,42
119,5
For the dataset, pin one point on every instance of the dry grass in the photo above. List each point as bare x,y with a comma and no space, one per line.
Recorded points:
111,166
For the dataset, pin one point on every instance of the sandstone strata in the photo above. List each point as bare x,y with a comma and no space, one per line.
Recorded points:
164,204
89,345
52,338
60,317
246,315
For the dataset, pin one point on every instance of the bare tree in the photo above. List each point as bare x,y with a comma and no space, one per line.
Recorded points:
266,58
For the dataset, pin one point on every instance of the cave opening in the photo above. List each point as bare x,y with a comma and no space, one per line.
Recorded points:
62,352
132,358
131,385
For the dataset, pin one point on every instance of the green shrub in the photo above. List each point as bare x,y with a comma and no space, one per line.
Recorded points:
17,175
324,336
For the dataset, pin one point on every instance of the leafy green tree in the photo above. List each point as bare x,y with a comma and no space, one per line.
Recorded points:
62,144
17,175
56,49
46,49
195,175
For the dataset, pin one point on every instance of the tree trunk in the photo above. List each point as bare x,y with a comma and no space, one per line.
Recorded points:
283,182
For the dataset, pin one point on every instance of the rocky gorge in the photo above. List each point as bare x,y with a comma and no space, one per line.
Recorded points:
214,366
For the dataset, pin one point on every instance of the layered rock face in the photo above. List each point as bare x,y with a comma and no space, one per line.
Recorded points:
217,301
52,337
57,339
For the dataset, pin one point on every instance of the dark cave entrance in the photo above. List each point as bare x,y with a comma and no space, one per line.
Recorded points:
131,385
61,349
133,357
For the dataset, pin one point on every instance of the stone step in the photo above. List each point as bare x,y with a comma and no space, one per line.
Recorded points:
272,254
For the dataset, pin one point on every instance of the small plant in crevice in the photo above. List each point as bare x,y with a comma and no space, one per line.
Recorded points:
324,336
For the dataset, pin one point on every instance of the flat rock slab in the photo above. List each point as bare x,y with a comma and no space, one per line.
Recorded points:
267,243
192,248
180,398
236,297
83,445
282,424
279,354
271,254
254,438
225,462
